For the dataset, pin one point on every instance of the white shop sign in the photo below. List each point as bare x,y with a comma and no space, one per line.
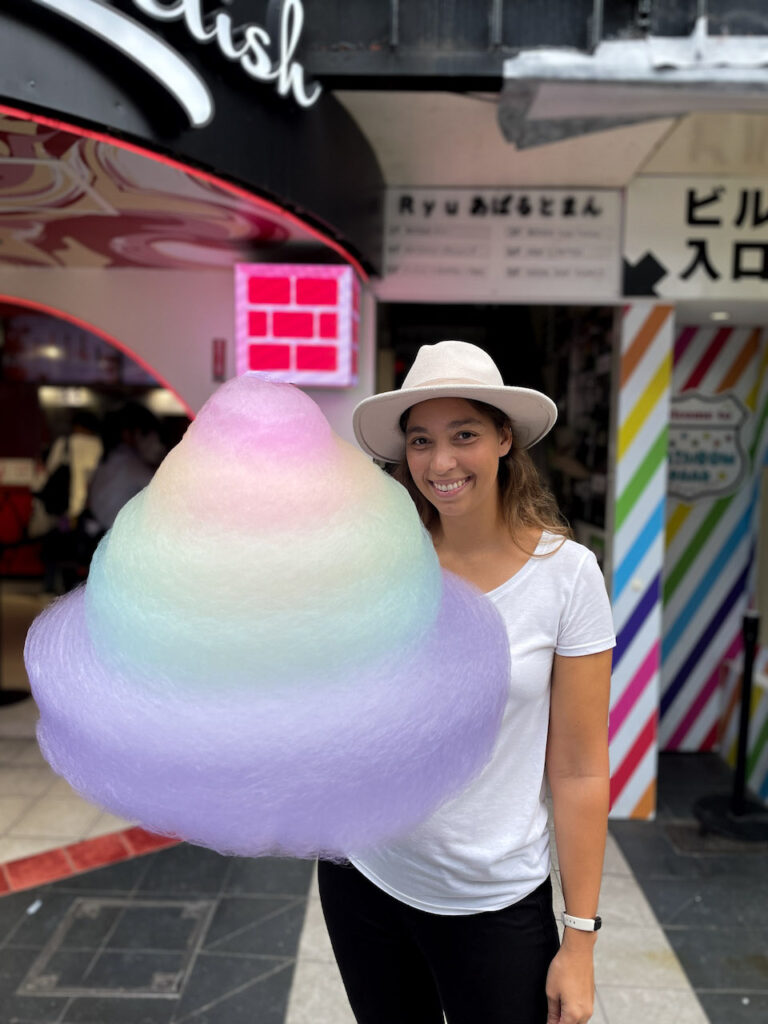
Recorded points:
706,451
501,245
697,238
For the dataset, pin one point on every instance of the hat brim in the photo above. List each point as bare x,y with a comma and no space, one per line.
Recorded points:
376,420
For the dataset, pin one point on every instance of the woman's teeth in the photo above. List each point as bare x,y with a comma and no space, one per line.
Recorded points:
454,485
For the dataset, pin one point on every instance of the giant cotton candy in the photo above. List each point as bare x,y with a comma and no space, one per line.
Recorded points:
267,657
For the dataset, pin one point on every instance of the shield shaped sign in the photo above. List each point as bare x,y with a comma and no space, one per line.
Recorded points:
706,455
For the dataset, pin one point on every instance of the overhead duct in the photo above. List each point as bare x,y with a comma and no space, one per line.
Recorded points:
554,94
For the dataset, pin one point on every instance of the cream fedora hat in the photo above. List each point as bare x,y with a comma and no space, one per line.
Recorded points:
449,369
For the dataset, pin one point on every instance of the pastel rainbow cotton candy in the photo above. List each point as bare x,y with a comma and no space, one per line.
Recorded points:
267,657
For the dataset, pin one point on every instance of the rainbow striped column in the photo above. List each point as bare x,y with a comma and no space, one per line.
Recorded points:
638,554
710,544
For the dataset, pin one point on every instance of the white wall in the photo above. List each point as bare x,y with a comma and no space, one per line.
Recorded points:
168,318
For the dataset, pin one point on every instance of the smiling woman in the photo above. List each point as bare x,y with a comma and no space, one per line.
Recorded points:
455,918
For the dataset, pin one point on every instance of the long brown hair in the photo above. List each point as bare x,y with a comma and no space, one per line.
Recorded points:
524,499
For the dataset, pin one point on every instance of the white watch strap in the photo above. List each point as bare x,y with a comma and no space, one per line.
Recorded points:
581,924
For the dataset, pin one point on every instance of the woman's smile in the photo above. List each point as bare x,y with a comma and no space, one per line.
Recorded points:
450,488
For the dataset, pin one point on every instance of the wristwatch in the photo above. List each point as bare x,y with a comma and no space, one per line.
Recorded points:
582,924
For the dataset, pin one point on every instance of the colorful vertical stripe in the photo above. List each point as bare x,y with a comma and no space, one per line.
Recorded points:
638,554
710,543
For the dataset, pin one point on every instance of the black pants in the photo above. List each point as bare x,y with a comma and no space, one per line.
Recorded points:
405,966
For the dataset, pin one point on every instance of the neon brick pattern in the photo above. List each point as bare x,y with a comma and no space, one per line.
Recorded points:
298,323
638,555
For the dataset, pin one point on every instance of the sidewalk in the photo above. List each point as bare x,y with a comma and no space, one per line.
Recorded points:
639,979
182,934
179,934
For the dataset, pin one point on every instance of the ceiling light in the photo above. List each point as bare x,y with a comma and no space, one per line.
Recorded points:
720,314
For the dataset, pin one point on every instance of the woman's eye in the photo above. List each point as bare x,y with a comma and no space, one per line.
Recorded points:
466,435
418,442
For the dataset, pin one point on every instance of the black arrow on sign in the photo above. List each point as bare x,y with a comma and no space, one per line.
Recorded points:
641,278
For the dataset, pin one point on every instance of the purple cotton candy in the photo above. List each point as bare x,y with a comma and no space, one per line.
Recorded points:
267,657
298,772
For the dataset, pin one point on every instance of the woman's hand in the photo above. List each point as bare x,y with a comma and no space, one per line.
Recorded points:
571,980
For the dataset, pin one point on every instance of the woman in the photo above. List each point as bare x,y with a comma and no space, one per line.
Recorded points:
456,917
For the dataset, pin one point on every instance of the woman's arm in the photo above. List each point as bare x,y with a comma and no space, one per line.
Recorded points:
579,780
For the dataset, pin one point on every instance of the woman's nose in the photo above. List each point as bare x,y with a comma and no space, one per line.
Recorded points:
443,459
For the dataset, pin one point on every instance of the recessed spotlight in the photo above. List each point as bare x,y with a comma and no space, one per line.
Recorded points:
720,314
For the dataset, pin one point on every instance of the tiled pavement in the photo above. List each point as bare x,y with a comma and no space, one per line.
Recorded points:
710,895
181,935
184,935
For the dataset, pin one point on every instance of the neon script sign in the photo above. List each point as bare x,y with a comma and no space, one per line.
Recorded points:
263,56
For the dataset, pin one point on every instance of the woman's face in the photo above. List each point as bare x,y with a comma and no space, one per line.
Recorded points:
453,452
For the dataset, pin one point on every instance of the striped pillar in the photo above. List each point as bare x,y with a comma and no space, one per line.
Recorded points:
710,544
638,554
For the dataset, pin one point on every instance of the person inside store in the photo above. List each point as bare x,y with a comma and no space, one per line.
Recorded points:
61,499
457,917
133,449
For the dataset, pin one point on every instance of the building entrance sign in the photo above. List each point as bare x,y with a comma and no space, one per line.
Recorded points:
500,245
696,238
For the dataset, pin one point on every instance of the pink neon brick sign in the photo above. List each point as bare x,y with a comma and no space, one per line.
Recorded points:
298,322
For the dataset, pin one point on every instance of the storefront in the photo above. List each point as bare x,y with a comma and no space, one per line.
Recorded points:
149,149
661,382
143,157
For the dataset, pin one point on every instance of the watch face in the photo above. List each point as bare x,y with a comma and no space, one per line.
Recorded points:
598,923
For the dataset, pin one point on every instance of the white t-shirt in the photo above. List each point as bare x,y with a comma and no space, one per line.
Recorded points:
488,847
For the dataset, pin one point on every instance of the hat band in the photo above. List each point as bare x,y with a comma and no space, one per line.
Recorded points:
451,382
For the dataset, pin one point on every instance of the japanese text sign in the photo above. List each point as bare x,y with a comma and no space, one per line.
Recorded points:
696,238
500,245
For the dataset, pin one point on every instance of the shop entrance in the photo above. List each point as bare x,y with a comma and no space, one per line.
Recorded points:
68,400
566,352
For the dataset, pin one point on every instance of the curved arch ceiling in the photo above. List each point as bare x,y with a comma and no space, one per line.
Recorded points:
71,199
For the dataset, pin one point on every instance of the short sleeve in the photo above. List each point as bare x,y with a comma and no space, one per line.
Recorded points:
586,626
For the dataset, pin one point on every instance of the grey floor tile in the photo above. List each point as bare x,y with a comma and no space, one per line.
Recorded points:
256,927
615,862
269,875
315,944
735,1007
649,851
90,927
13,909
624,1005
723,958
166,928
233,913
34,930
14,965
318,996
622,903
96,1010
715,902
136,971
638,957
113,879
232,984
185,869
64,968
